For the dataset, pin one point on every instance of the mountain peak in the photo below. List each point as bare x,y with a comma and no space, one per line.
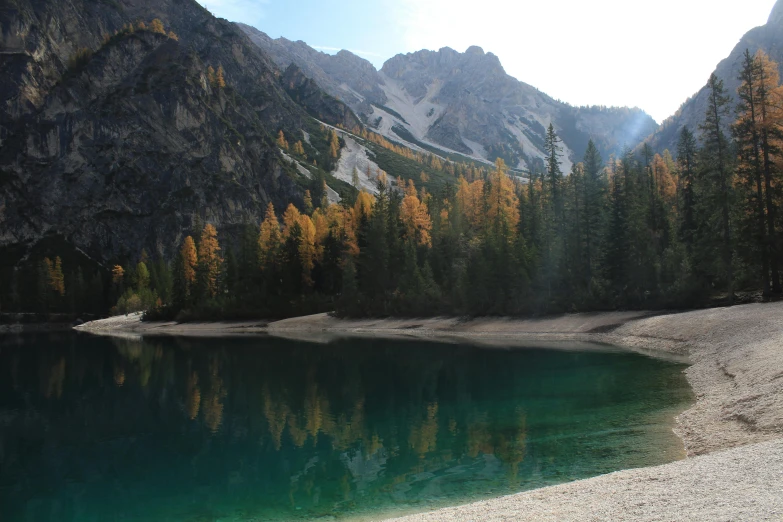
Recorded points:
475,49
776,16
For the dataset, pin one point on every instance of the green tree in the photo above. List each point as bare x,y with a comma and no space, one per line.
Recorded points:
716,180
594,213
686,158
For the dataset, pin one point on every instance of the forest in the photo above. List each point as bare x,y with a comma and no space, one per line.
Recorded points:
695,227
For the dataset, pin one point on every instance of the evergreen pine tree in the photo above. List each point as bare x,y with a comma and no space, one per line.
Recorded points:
686,157
716,175
594,188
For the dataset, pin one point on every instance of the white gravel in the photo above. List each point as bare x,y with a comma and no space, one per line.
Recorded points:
355,156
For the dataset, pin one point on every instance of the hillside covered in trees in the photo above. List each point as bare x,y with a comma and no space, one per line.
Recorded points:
163,168
635,231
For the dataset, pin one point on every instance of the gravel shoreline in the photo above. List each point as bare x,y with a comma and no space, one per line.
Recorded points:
733,434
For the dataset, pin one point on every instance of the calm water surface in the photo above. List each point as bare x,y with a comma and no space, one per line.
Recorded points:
99,429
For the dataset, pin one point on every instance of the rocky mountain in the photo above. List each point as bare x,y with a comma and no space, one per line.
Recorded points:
116,139
463,103
344,75
768,38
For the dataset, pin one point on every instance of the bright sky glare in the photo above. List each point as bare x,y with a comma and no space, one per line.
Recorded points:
603,52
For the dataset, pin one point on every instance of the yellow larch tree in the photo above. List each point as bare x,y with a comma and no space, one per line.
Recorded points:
307,248
470,200
321,223
308,202
664,181
502,201
269,238
55,275
335,215
117,275
189,261
410,188
220,79
209,259
324,194
362,208
382,179
334,145
769,94
157,26
290,217
281,141
415,218
444,215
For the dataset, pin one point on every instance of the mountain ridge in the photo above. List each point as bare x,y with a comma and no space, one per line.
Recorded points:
462,103
767,37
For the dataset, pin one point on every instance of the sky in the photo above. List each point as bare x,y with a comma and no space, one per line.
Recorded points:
651,55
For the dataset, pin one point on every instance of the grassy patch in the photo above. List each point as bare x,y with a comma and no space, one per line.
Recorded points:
405,134
392,112
399,166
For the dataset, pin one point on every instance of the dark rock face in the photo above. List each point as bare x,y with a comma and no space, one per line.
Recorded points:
768,38
318,104
129,147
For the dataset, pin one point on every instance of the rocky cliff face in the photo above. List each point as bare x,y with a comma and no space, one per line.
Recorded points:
125,146
768,38
459,102
467,102
315,101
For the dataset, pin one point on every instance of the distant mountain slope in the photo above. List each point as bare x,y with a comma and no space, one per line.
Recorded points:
459,103
768,37
116,144
343,75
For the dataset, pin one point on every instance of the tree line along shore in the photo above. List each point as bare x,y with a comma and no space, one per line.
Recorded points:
638,231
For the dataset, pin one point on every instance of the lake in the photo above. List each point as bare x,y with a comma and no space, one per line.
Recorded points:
257,428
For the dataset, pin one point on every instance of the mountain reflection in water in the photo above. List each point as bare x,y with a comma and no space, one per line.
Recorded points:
261,429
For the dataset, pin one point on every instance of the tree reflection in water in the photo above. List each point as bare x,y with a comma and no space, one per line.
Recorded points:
250,428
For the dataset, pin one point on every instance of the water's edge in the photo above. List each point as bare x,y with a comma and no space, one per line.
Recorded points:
740,344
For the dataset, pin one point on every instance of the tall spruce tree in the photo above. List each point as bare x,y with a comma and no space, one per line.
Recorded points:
552,201
686,158
616,256
770,102
594,188
717,175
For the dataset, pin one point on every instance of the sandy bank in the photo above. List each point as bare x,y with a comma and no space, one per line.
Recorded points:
736,374
131,326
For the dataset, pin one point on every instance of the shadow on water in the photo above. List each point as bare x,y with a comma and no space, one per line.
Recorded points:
100,429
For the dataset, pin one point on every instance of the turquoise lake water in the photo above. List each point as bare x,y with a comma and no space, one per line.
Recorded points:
257,429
